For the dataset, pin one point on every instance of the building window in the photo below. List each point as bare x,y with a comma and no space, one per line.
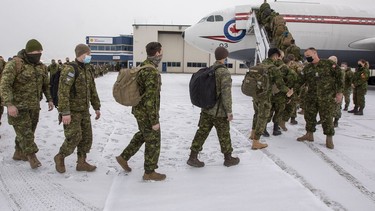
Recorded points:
243,66
196,64
229,65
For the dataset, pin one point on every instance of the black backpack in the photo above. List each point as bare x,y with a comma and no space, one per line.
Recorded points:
54,83
202,87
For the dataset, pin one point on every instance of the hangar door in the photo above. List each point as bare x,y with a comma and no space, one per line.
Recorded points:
173,51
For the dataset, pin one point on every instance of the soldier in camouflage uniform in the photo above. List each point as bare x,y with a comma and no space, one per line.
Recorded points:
359,85
294,50
77,90
348,77
2,65
23,81
262,105
337,113
147,115
290,78
325,85
219,116
279,91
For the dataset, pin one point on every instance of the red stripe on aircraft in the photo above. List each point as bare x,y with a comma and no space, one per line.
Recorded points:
219,38
329,19
242,16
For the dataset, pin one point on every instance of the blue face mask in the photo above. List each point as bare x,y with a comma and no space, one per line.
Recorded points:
87,59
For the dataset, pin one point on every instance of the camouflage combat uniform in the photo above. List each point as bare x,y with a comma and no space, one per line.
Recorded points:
348,86
360,79
2,65
22,85
75,95
147,115
324,81
295,50
262,105
290,79
217,116
278,97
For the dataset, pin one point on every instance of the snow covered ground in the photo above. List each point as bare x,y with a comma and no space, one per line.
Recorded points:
288,175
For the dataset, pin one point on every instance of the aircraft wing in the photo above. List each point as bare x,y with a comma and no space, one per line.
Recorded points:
364,44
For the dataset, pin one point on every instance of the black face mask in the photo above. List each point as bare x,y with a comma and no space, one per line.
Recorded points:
34,58
360,66
309,59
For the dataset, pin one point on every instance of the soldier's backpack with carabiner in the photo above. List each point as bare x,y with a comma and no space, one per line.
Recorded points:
126,90
202,87
256,82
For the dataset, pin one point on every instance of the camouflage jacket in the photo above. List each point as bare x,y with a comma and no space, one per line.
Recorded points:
361,77
52,69
276,77
324,79
79,97
295,50
23,83
348,78
223,91
149,81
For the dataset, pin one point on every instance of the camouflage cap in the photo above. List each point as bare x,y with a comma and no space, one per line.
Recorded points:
81,49
33,45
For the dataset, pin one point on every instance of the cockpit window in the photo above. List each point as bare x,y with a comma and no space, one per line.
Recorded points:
219,18
211,18
202,20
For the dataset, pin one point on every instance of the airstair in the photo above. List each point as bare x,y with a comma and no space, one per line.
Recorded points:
262,41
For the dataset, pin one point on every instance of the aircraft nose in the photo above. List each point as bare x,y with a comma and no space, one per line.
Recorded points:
183,35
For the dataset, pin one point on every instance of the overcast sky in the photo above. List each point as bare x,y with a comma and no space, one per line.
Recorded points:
62,24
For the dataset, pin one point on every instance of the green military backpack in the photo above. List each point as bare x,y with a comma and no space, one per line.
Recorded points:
256,82
126,90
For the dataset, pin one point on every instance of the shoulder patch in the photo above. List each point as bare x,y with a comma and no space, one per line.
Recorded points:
71,74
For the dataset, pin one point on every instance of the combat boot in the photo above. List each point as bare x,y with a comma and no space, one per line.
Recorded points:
329,142
33,160
293,121
194,161
265,133
154,176
336,122
276,130
19,155
307,137
59,163
123,163
258,145
82,165
230,161
283,127
355,109
252,135
346,108
359,112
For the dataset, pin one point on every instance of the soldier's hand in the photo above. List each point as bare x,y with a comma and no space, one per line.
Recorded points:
338,98
66,119
230,117
97,113
290,92
156,127
50,106
12,111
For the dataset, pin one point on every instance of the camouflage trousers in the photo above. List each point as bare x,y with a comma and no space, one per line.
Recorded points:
338,112
24,126
278,103
262,110
346,94
290,110
326,109
359,97
222,126
78,134
146,135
